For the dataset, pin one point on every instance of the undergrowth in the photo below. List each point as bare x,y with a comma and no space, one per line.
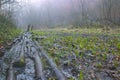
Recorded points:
8,31
97,47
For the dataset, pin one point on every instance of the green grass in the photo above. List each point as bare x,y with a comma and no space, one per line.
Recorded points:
8,31
79,41
75,41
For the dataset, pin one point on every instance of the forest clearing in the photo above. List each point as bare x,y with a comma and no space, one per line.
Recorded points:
82,54
59,39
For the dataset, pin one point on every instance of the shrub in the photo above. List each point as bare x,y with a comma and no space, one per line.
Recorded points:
8,30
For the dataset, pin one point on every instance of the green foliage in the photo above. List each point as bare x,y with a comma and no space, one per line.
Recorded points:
98,65
118,45
8,31
97,47
81,76
20,63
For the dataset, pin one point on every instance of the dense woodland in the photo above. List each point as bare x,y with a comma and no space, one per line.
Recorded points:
59,39
62,13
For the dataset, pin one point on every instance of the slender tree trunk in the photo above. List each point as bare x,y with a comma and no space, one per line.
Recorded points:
0,4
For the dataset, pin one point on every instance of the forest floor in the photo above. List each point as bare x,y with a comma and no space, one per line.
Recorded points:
83,54
80,54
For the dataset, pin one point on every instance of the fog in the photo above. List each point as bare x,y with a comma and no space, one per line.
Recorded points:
55,13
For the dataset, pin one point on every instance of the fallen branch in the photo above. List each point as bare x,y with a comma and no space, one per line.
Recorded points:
33,54
59,75
10,75
25,47
38,67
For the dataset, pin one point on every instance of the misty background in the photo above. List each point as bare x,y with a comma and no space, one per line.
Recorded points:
62,13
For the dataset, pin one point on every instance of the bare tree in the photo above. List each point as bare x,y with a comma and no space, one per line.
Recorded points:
107,6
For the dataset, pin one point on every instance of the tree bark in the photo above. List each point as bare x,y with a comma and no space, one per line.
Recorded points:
59,75
38,67
10,75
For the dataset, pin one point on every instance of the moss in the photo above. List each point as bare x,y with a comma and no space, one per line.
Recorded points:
20,63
